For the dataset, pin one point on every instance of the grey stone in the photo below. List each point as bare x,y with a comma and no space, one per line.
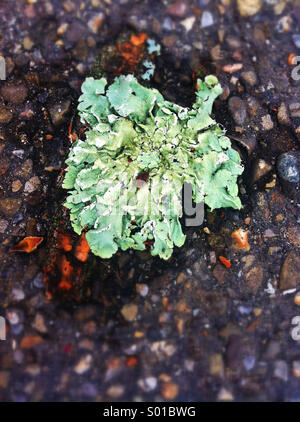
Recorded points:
288,169
281,370
238,110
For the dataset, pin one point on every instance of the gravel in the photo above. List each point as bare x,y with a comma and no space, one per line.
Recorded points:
135,327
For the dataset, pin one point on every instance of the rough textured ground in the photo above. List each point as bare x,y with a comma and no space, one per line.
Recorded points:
134,327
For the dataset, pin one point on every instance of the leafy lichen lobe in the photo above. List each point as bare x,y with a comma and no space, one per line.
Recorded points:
125,179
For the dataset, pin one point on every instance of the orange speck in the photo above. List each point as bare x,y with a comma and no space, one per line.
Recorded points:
131,361
64,242
131,53
240,238
70,127
225,261
291,59
66,270
139,39
169,391
48,137
27,245
82,249
197,12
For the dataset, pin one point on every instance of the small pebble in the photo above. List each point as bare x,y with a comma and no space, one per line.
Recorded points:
296,369
296,39
297,299
38,281
249,78
249,362
32,185
267,122
238,110
14,317
14,93
169,391
168,25
95,22
16,185
59,112
206,19
148,384
3,225
249,7
188,23
142,289
225,395
178,9
83,365
245,310
281,370
129,311
17,294
10,206
115,391
289,272
39,323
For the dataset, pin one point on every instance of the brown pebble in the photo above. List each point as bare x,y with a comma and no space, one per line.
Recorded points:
28,342
216,365
296,369
115,391
14,93
5,114
4,379
219,273
95,22
297,299
10,206
180,278
129,311
16,185
254,278
25,169
39,324
232,68
290,272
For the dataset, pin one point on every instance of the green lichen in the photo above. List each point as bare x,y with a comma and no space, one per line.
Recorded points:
125,180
